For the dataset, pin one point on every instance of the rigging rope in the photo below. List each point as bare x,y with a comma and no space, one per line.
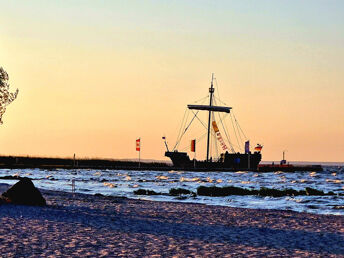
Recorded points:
197,140
239,126
181,134
205,126
241,141
220,101
201,99
213,142
180,129
218,88
236,136
236,127
228,137
186,129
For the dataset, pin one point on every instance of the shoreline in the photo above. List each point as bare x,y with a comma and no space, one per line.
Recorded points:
81,224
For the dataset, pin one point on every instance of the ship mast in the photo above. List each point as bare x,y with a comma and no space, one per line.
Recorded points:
211,91
210,108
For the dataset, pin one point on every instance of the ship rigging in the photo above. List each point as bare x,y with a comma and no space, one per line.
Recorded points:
230,159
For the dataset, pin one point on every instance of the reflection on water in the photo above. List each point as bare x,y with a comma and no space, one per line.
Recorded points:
123,183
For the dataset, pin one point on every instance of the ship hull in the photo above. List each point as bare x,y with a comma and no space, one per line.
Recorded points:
230,162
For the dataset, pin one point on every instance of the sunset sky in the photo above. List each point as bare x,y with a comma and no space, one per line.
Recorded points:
95,75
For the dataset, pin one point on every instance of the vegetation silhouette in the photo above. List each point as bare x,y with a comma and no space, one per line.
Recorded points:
6,97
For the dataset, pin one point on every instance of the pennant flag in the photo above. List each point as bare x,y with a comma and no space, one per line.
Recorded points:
138,144
219,136
193,145
247,147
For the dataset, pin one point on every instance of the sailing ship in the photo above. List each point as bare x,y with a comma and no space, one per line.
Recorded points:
229,159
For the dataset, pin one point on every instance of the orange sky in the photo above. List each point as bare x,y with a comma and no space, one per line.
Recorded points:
94,77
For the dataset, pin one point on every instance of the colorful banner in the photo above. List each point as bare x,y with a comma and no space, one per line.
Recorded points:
193,145
218,136
138,144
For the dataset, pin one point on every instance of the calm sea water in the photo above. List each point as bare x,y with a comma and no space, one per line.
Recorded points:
124,183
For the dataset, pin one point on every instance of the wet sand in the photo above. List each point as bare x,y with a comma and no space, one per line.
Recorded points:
87,225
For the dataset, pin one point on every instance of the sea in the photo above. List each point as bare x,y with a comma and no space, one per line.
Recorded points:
124,183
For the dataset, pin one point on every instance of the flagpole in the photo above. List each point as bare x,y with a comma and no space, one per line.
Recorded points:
193,149
140,153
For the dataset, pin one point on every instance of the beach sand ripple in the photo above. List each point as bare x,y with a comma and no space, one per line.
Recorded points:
89,226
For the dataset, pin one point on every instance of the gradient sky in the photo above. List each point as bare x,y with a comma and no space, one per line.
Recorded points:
95,75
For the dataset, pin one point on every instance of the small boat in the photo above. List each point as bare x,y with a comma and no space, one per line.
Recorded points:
283,166
228,159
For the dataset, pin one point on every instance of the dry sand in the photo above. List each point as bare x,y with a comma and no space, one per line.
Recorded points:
98,226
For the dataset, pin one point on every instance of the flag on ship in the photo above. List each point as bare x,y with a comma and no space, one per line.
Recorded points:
219,136
247,147
193,145
259,147
138,144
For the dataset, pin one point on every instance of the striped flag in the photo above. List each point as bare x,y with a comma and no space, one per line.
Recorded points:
138,144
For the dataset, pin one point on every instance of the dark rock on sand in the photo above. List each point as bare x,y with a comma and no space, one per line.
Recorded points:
24,192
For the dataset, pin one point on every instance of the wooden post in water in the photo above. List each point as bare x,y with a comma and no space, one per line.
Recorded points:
140,158
73,185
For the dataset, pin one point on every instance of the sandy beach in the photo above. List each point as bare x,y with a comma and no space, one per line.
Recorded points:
87,225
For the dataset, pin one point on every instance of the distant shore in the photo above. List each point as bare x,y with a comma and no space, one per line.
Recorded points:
22,162
88,225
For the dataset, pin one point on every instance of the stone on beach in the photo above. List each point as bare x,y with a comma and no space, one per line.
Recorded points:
24,192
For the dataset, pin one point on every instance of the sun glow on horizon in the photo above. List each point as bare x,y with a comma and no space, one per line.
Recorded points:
93,76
